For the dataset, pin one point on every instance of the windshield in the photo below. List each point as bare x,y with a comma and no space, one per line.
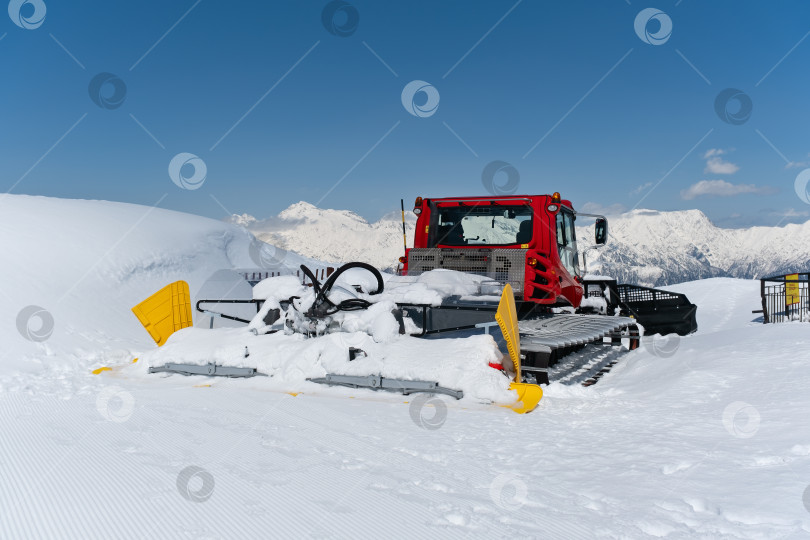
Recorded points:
484,225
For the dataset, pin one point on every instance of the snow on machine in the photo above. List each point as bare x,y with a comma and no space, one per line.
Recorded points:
359,339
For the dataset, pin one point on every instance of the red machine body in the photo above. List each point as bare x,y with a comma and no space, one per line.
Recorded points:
527,240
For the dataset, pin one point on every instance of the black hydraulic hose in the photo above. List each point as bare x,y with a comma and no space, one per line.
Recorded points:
315,283
351,304
348,266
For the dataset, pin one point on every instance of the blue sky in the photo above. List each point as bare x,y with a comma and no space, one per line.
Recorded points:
280,110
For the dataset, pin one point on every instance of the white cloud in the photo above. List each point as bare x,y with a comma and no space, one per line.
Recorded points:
641,188
716,165
720,188
713,152
245,220
798,164
602,210
765,217
792,212
269,225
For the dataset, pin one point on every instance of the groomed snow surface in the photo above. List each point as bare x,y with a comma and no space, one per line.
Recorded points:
703,436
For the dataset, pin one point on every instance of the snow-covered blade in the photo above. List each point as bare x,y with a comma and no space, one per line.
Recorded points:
317,337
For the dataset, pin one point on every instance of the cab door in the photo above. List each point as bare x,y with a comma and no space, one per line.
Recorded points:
569,257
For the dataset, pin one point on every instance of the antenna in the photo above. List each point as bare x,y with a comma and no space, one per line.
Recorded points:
404,237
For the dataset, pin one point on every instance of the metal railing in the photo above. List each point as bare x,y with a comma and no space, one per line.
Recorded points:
785,298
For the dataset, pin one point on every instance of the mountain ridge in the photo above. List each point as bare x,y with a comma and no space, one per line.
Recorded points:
646,247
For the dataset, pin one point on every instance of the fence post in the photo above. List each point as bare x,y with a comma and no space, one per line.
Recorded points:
764,302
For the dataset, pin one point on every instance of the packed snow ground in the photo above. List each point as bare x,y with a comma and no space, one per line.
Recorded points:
703,436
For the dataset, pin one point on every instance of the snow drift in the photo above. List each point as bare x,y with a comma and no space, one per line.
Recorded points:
86,263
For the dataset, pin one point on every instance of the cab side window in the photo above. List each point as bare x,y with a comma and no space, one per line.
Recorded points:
567,242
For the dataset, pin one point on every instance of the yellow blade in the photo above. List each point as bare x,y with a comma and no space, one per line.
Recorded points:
166,311
529,395
506,317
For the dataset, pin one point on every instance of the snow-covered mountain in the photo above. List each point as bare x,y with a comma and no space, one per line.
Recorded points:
333,235
657,248
646,247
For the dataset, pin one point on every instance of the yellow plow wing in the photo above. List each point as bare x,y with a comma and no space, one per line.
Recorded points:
529,395
166,311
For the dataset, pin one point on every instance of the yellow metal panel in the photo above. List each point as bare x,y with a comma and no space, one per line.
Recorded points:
792,295
506,317
166,311
529,395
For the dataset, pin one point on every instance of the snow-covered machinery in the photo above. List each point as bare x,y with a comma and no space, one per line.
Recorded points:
510,263
285,306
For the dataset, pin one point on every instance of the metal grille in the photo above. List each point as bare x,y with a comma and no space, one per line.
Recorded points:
502,265
637,293
775,307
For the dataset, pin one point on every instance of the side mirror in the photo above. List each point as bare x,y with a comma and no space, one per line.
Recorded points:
601,231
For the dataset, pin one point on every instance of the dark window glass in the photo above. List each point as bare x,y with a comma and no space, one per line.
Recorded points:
567,242
484,225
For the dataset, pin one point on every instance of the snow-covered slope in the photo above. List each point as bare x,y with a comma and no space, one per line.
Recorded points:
646,247
705,436
333,235
86,263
